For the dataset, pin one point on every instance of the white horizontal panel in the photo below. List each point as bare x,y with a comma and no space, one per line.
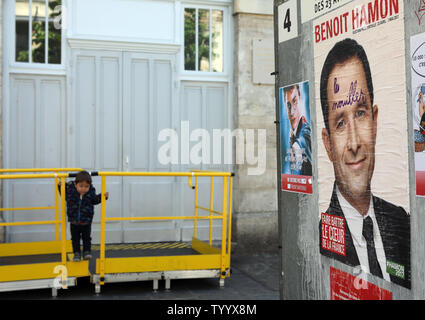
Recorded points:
31,193
162,233
33,235
111,235
124,19
150,199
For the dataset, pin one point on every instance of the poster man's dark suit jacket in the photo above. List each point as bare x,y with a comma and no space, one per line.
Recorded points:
394,227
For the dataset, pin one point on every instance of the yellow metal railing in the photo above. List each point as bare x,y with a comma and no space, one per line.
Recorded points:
40,173
58,174
224,215
55,170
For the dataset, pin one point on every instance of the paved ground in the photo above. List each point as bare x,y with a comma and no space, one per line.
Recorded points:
253,278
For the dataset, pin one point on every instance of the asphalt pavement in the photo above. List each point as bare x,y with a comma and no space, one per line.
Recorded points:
253,277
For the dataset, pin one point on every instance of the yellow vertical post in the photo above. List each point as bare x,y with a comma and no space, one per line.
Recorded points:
102,230
63,220
223,231
230,217
211,206
196,207
56,209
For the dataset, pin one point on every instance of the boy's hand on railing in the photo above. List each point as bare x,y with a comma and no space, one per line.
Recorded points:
106,194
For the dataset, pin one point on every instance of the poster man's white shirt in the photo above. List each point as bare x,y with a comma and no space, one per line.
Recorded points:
355,224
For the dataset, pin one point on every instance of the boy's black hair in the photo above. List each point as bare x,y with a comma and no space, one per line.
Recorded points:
83,176
341,52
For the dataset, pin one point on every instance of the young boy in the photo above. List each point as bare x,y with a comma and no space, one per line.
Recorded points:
80,200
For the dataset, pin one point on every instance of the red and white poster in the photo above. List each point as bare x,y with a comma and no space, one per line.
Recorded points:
361,112
345,286
333,233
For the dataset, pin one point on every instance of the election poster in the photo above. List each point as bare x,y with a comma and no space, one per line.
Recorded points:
295,137
315,8
417,49
345,286
361,110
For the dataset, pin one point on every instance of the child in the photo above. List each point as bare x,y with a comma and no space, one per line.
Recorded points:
80,200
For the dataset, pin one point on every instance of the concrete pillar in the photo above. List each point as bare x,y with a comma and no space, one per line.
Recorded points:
255,198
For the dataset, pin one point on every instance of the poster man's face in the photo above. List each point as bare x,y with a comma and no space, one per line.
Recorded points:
350,144
292,106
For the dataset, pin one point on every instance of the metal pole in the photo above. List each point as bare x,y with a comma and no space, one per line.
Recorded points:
102,231
211,206
223,231
63,223
196,207
56,209
230,216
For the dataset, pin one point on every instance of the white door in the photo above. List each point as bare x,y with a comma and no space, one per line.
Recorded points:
120,103
95,127
149,103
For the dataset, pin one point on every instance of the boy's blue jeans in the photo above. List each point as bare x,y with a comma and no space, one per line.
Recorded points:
78,232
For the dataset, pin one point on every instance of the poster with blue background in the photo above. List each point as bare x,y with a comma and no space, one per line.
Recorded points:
295,134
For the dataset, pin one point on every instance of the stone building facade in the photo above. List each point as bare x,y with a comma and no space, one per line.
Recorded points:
90,44
255,203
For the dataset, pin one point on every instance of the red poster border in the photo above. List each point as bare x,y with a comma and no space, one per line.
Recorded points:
345,286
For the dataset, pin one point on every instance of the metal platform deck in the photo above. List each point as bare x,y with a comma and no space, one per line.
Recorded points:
38,265
30,259
50,264
156,261
152,261
133,250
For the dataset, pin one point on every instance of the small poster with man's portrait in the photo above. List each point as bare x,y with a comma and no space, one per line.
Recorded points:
295,137
361,110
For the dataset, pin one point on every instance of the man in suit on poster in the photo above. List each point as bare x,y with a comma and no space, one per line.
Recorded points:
377,233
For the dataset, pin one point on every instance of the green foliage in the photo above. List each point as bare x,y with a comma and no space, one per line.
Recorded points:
190,37
39,39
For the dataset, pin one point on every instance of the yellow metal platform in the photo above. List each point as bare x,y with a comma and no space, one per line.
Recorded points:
38,265
158,261
50,264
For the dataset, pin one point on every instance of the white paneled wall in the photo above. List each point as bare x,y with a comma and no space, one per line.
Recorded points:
120,83
36,123
204,106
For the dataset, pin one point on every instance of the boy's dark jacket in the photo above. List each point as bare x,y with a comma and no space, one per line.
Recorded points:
80,211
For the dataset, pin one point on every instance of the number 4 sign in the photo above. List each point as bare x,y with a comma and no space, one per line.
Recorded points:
287,20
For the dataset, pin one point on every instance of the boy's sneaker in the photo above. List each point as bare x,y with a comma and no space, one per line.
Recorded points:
77,257
87,255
